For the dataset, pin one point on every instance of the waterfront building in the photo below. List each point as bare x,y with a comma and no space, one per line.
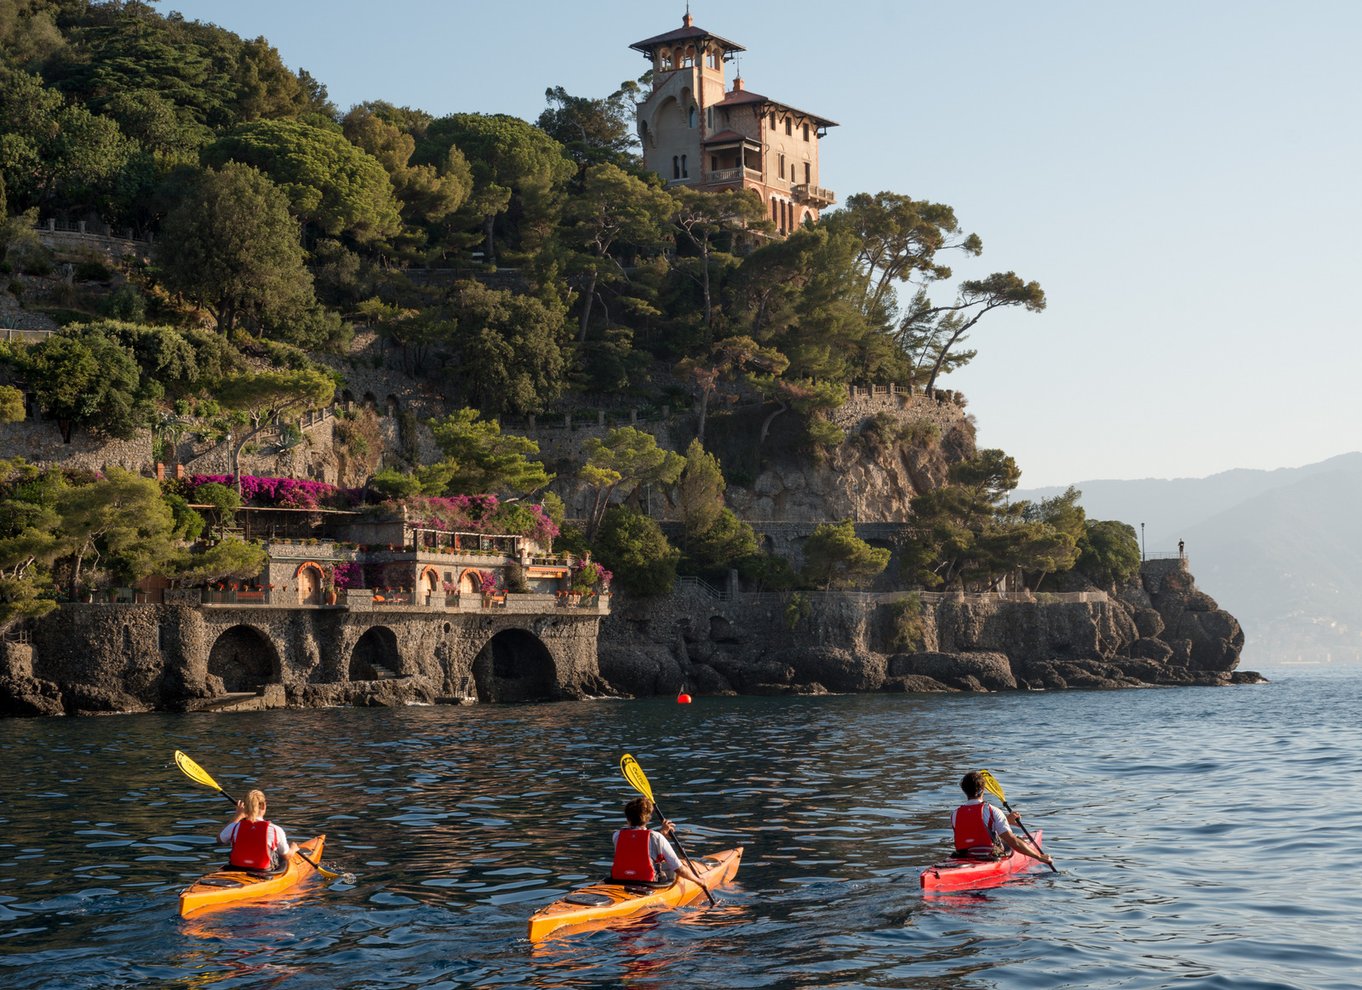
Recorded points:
697,132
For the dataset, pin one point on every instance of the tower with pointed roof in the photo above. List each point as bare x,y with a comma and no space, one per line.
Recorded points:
697,132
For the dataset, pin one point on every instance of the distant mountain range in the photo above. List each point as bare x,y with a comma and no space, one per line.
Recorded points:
1280,550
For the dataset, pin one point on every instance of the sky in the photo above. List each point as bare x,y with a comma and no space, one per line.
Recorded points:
1183,178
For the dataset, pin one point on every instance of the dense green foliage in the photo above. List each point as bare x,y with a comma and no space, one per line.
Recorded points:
574,277
634,548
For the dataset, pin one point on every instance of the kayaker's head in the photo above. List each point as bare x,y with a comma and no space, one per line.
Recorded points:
255,804
638,811
972,784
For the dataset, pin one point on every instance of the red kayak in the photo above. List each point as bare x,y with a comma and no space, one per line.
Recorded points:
972,874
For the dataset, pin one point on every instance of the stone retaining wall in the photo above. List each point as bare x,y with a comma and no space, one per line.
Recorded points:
93,658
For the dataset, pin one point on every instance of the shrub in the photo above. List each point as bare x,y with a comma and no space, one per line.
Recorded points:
92,270
635,549
906,628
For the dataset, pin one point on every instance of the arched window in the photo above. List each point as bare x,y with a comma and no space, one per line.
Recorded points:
781,170
665,61
676,167
690,116
808,173
712,59
643,131
688,58
775,210
684,174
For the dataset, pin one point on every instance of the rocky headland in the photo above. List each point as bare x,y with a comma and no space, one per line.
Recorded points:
1157,630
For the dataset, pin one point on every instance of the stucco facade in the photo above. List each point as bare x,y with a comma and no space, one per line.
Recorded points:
697,132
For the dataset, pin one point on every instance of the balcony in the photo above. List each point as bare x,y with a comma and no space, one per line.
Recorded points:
815,196
731,176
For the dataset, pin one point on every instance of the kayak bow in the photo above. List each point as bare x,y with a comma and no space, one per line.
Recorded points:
973,874
602,903
230,885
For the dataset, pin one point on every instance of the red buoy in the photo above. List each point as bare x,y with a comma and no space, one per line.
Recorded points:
683,698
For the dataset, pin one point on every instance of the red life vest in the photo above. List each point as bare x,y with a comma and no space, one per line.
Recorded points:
251,846
633,860
971,827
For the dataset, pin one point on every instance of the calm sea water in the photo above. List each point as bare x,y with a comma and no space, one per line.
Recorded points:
1204,838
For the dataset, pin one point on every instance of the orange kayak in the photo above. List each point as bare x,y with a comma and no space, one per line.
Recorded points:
602,903
231,886
972,874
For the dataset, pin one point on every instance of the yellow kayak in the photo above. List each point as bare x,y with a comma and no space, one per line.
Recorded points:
230,885
602,903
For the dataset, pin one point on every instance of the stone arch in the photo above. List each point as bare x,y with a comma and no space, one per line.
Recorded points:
470,581
375,654
428,586
309,579
515,665
244,658
669,116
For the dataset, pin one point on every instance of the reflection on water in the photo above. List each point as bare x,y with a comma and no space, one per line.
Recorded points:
457,823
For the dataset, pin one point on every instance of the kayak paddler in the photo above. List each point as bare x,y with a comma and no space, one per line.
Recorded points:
257,844
643,855
982,831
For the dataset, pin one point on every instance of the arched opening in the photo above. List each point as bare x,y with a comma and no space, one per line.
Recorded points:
375,656
428,586
244,658
688,57
309,580
515,666
470,581
393,406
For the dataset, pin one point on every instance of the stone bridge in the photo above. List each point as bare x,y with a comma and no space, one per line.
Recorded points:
215,656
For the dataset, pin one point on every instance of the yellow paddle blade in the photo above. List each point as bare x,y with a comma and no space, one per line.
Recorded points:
992,786
633,773
194,772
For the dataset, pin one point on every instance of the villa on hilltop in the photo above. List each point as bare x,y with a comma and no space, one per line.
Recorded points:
698,133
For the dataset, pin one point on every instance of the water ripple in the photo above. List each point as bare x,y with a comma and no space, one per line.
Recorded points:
1196,843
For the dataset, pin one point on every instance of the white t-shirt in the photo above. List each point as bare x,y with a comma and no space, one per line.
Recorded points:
994,819
275,840
659,849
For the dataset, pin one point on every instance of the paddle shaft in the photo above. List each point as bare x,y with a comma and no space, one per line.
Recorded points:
1025,831
302,855
684,855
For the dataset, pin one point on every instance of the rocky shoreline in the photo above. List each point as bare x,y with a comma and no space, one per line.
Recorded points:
1157,630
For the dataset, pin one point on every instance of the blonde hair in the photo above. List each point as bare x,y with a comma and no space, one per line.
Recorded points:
255,804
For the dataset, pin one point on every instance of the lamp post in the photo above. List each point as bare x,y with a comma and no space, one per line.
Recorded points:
1142,543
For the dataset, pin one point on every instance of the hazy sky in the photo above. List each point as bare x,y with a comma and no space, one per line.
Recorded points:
1183,178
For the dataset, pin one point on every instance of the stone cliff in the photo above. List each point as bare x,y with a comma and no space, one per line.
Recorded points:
1158,630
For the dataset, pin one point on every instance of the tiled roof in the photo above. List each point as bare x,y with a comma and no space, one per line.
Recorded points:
745,97
728,137
687,33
